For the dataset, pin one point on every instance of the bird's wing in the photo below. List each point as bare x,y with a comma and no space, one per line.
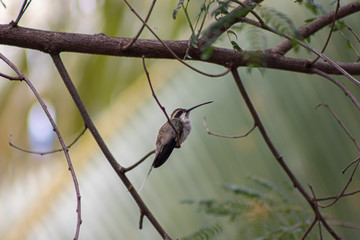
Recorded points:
166,142
164,153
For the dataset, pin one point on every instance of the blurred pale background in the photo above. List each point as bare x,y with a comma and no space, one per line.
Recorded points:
37,198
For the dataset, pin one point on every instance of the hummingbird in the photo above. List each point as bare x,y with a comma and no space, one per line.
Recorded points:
167,138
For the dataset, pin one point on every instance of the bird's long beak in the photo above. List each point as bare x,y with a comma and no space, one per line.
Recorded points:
188,110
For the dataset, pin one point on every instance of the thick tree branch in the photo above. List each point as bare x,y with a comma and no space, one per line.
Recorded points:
306,46
319,23
48,42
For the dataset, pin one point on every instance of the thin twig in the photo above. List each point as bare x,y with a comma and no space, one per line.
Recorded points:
48,152
350,164
308,230
317,213
141,220
169,49
342,125
356,145
252,12
330,33
352,31
158,102
138,162
344,224
101,143
141,29
334,197
226,136
276,153
10,77
58,134
339,84
22,11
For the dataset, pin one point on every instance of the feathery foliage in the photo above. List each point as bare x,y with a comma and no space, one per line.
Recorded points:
205,233
262,212
279,21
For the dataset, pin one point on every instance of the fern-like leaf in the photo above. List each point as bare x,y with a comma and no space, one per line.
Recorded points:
242,191
205,233
279,21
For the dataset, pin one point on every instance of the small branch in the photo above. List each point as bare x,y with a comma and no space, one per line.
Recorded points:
261,21
317,24
340,123
276,153
169,49
339,84
49,152
331,31
101,143
141,29
226,136
353,32
350,164
344,224
10,77
356,145
141,220
158,102
347,40
308,230
334,197
21,12
138,162
58,134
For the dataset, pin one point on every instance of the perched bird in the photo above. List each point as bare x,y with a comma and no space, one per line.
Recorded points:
167,140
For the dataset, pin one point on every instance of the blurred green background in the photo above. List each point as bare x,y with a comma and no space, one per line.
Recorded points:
37,198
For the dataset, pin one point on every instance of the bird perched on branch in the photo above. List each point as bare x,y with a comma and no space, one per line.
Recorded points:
168,139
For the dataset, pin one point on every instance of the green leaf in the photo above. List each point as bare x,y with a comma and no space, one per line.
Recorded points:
206,54
279,21
348,44
3,3
241,190
313,6
205,233
222,9
338,26
309,20
236,46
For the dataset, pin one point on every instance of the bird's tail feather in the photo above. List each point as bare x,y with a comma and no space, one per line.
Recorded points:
142,185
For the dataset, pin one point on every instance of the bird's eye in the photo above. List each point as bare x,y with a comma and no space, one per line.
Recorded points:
178,114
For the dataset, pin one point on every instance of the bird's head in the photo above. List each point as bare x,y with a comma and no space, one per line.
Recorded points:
184,113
